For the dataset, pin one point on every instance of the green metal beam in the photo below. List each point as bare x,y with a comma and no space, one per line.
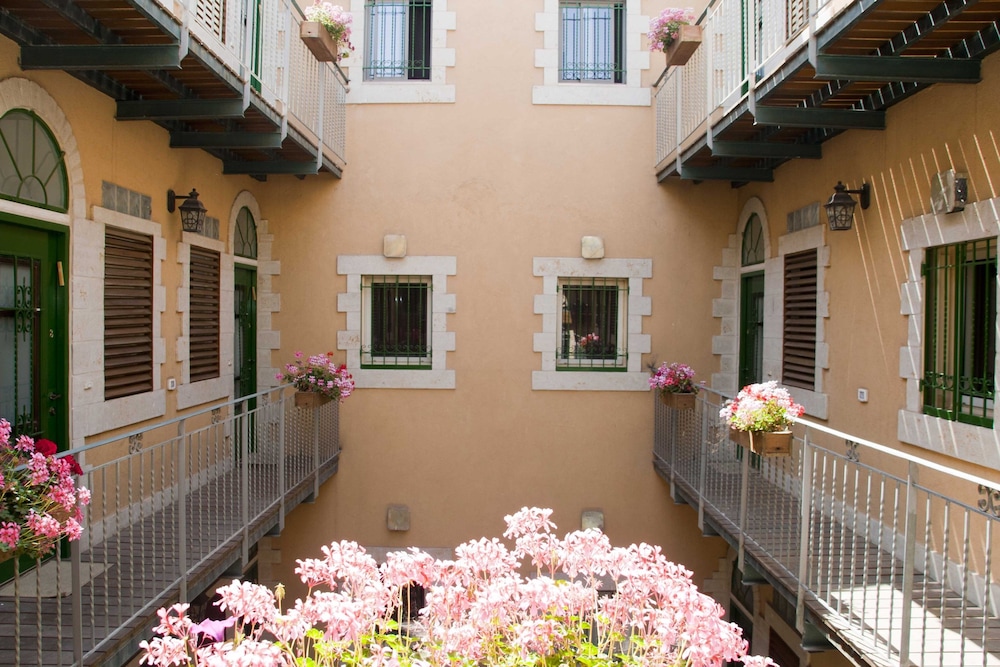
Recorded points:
763,149
843,119
739,174
898,68
269,167
101,57
180,109
225,139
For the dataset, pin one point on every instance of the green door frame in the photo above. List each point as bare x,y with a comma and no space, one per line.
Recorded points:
48,244
245,351
751,328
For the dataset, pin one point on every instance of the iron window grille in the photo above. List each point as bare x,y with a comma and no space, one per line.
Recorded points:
960,283
396,322
398,39
592,41
592,327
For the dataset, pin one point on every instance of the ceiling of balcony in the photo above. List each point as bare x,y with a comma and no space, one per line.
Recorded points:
131,50
873,55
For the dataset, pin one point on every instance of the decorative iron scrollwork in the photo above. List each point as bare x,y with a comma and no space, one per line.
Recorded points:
991,502
852,451
216,415
135,443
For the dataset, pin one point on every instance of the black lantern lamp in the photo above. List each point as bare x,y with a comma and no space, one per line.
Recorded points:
192,210
840,208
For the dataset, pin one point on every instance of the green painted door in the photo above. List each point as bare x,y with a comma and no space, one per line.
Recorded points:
245,350
33,333
751,328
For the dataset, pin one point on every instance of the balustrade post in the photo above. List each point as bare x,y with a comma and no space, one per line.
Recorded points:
744,502
315,416
281,460
182,509
706,415
76,603
244,419
909,554
805,512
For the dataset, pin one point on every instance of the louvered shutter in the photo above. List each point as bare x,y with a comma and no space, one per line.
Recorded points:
203,334
128,313
799,348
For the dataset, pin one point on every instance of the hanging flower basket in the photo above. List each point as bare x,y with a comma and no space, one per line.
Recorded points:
316,37
684,45
310,399
679,400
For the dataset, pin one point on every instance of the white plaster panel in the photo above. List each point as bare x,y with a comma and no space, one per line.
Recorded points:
724,273
729,326
584,94
439,322
972,443
88,325
443,340
444,303
815,403
348,340
723,307
88,356
546,303
638,343
85,390
124,411
403,379
205,391
910,363
585,381
349,302
640,305
723,344
910,299
544,341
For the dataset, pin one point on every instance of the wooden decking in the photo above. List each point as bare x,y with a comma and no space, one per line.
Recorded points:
854,576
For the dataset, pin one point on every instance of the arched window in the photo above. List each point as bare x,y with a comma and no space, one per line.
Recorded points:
245,243
31,164
753,242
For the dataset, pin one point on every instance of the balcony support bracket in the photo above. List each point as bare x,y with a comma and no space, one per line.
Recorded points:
898,68
763,149
183,109
842,119
131,57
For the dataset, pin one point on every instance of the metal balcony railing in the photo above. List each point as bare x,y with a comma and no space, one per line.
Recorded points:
743,43
175,506
260,42
889,555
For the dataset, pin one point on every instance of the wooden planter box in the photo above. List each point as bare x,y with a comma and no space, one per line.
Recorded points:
765,443
678,401
319,41
688,39
310,399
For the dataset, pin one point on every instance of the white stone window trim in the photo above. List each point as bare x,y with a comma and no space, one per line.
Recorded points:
554,91
976,444
546,304
268,300
197,393
92,413
727,307
438,267
435,91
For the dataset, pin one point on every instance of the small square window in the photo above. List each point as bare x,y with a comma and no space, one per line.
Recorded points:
592,327
398,39
396,322
592,41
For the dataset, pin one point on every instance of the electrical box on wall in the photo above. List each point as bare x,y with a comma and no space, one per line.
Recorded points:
949,191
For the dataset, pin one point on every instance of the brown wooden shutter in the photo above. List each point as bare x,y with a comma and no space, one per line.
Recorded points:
128,313
799,348
203,335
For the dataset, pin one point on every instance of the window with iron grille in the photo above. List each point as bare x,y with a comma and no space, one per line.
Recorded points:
398,39
203,319
798,355
128,313
396,322
592,41
592,331
960,283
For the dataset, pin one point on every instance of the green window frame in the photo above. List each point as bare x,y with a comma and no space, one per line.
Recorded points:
32,169
592,41
960,299
245,243
396,322
593,327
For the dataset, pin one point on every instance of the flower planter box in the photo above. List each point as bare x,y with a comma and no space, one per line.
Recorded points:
684,46
764,443
310,399
679,400
319,41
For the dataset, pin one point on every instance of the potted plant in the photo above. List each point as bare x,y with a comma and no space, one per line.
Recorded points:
327,31
318,379
39,501
675,384
765,413
672,33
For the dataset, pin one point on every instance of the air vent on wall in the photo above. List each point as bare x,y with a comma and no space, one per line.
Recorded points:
949,191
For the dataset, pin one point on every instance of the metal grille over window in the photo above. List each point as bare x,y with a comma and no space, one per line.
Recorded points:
31,164
245,243
592,331
20,314
397,322
592,41
203,336
398,39
128,313
798,362
960,331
